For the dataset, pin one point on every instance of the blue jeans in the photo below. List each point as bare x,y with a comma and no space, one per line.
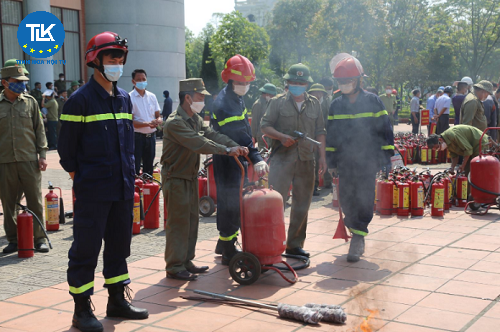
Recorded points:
145,150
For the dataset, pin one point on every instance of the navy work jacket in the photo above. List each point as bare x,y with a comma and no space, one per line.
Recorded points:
97,142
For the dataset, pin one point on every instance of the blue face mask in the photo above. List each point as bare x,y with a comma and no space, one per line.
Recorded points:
17,87
297,90
113,72
141,85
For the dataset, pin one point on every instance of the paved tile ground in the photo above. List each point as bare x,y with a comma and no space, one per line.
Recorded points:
422,274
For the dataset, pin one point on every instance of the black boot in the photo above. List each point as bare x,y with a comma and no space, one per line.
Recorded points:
356,249
228,251
83,318
118,306
219,247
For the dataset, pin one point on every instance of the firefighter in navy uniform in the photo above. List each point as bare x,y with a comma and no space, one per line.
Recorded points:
360,142
230,119
96,147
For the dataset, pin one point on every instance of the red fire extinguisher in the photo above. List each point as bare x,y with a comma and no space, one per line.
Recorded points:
395,197
157,173
437,197
54,209
136,226
461,186
404,199
335,192
423,155
25,243
385,197
152,202
139,186
417,198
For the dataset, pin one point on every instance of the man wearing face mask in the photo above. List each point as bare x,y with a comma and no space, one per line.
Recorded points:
23,147
258,110
472,111
318,91
460,140
292,159
185,137
96,147
360,142
390,102
147,117
231,119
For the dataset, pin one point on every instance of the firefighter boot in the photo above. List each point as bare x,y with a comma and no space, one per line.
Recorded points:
118,306
228,251
356,249
83,318
219,246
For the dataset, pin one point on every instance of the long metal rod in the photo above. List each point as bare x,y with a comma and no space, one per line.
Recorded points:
226,297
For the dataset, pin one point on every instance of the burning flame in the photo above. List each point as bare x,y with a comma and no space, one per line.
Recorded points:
366,325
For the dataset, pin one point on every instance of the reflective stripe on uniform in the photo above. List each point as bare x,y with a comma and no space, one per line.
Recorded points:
355,231
81,289
357,116
115,280
233,118
96,117
388,147
229,238
331,149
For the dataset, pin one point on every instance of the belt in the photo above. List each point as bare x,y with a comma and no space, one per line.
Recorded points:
147,135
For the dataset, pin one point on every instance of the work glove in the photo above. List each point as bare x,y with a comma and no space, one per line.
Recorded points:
261,168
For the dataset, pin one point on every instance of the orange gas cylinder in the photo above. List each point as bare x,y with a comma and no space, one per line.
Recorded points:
335,192
485,174
151,205
51,210
404,199
461,190
25,235
447,193
417,198
385,197
263,227
437,198
136,226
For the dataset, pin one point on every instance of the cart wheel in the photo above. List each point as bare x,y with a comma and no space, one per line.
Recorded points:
474,206
207,206
244,268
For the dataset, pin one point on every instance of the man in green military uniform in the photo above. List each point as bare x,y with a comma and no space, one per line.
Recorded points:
60,84
472,111
258,110
74,87
185,137
389,101
292,159
461,140
320,92
23,148
50,104
36,93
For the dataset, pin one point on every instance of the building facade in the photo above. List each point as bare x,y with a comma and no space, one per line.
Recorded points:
256,11
154,29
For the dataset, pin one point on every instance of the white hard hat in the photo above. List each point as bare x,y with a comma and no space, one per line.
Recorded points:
467,80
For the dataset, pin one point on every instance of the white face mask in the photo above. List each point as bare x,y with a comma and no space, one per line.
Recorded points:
389,92
241,90
113,72
197,106
346,88
443,146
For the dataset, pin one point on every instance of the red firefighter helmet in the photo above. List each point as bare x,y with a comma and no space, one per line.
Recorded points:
104,41
349,67
394,92
238,68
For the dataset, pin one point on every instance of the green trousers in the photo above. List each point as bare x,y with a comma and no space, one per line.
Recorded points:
16,178
181,197
301,175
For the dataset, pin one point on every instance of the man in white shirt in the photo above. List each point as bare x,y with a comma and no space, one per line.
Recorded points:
442,110
147,116
415,111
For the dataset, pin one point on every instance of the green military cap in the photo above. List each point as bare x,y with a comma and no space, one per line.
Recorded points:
485,85
193,85
300,73
269,88
13,62
14,72
317,87
74,83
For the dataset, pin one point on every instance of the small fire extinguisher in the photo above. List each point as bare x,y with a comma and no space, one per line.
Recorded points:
417,197
25,245
461,190
53,214
437,197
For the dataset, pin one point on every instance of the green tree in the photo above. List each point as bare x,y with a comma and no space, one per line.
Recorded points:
209,69
236,35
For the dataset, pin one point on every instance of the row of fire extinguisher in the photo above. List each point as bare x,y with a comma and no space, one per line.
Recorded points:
413,150
404,192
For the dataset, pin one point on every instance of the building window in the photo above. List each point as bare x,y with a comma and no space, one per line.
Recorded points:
11,16
71,48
